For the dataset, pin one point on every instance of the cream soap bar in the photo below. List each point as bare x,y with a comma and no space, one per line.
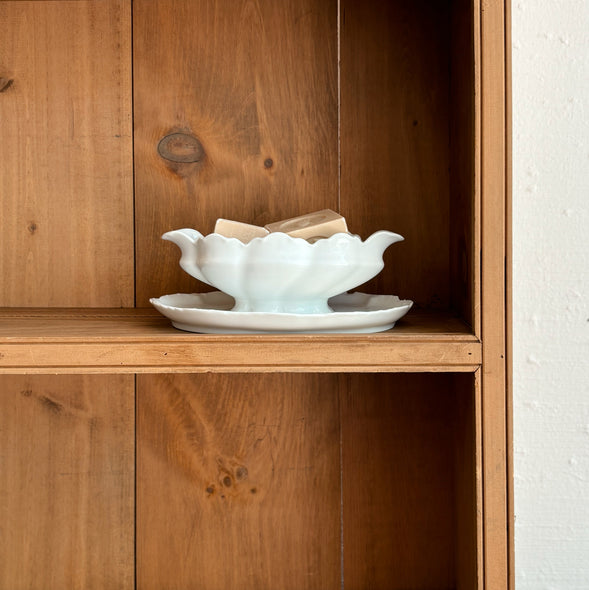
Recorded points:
320,224
242,231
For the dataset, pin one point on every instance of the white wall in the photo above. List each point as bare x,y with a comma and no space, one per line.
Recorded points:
550,55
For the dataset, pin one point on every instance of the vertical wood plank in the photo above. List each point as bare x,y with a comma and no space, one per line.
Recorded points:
66,443
465,162
238,482
66,482
394,139
468,496
509,294
66,191
493,236
398,483
255,84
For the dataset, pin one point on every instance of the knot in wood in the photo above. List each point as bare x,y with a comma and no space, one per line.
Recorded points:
180,147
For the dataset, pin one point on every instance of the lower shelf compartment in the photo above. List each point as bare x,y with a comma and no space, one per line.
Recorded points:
285,480
142,341
300,481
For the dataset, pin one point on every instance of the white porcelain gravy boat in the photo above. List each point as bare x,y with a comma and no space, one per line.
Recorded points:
279,273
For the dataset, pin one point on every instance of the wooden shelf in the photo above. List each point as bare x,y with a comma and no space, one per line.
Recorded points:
142,341
301,460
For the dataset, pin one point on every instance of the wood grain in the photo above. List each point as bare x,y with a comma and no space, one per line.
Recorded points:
493,290
468,469
67,443
394,139
66,482
255,83
239,471
509,293
91,324
238,482
398,481
66,191
140,341
465,162
227,355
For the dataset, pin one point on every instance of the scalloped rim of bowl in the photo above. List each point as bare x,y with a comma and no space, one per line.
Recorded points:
297,240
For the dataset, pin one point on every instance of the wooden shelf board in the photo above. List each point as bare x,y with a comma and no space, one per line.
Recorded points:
142,341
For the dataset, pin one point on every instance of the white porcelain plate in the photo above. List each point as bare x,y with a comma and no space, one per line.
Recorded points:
210,313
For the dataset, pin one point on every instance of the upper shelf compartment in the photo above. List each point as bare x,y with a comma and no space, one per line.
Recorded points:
140,340
295,106
256,111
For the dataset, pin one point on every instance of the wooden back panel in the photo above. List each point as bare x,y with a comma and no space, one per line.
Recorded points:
66,202
252,86
66,188
255,86
67,482
282,480
238,482
394,139
398,481
255,94
238,93
465,164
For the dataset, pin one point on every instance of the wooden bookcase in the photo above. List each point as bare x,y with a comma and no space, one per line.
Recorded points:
136,455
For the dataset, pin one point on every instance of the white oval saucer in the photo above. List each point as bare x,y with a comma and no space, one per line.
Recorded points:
210,313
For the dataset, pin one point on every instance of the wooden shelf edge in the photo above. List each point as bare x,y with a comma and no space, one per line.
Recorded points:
228,356
139,341
131,370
